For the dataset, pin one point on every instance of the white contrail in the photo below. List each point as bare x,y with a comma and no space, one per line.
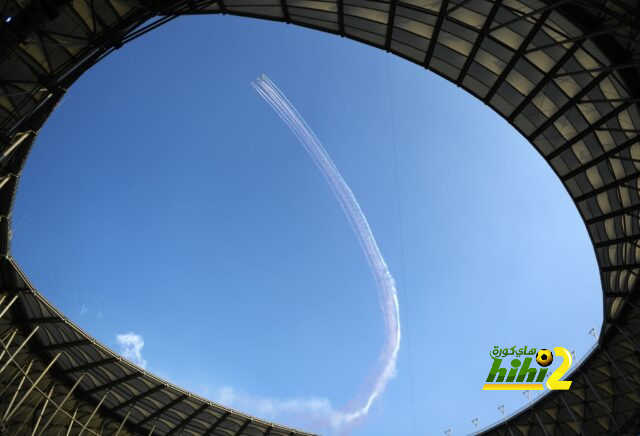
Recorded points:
386,368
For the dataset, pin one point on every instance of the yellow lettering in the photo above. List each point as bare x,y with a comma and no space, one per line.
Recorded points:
554,381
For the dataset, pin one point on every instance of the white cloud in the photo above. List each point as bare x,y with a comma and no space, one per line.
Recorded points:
131,347
310,410
84,309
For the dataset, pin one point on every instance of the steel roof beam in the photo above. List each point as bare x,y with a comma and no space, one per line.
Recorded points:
48,397
614,214
188,419
112,384
628,336
243,427
517,55
573,416
548,77
161,410
63,345
571,103
217,424
436,32
391,16
458,6
10,412
604,156
602,402
89,366
340,17
617,129
11,356
574,39
621,374
124,421
535,413
618,183
285,11
616,241
611,100
625,66
479,40
95,409
138,397
43,320
530,14
61,404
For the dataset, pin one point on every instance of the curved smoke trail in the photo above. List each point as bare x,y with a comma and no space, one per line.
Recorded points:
386,368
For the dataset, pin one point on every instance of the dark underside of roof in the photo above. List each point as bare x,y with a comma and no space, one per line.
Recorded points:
564,73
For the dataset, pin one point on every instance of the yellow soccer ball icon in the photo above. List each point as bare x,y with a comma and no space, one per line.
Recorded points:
544,357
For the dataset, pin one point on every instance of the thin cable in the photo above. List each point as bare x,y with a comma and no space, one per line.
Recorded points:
404,287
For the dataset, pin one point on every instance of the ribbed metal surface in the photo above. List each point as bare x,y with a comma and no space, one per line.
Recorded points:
564,73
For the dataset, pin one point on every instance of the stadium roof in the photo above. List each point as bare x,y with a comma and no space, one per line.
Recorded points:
564,73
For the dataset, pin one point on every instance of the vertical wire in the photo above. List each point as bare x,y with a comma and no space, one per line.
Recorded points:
404,287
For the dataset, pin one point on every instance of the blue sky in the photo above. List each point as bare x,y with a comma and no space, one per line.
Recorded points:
166,202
